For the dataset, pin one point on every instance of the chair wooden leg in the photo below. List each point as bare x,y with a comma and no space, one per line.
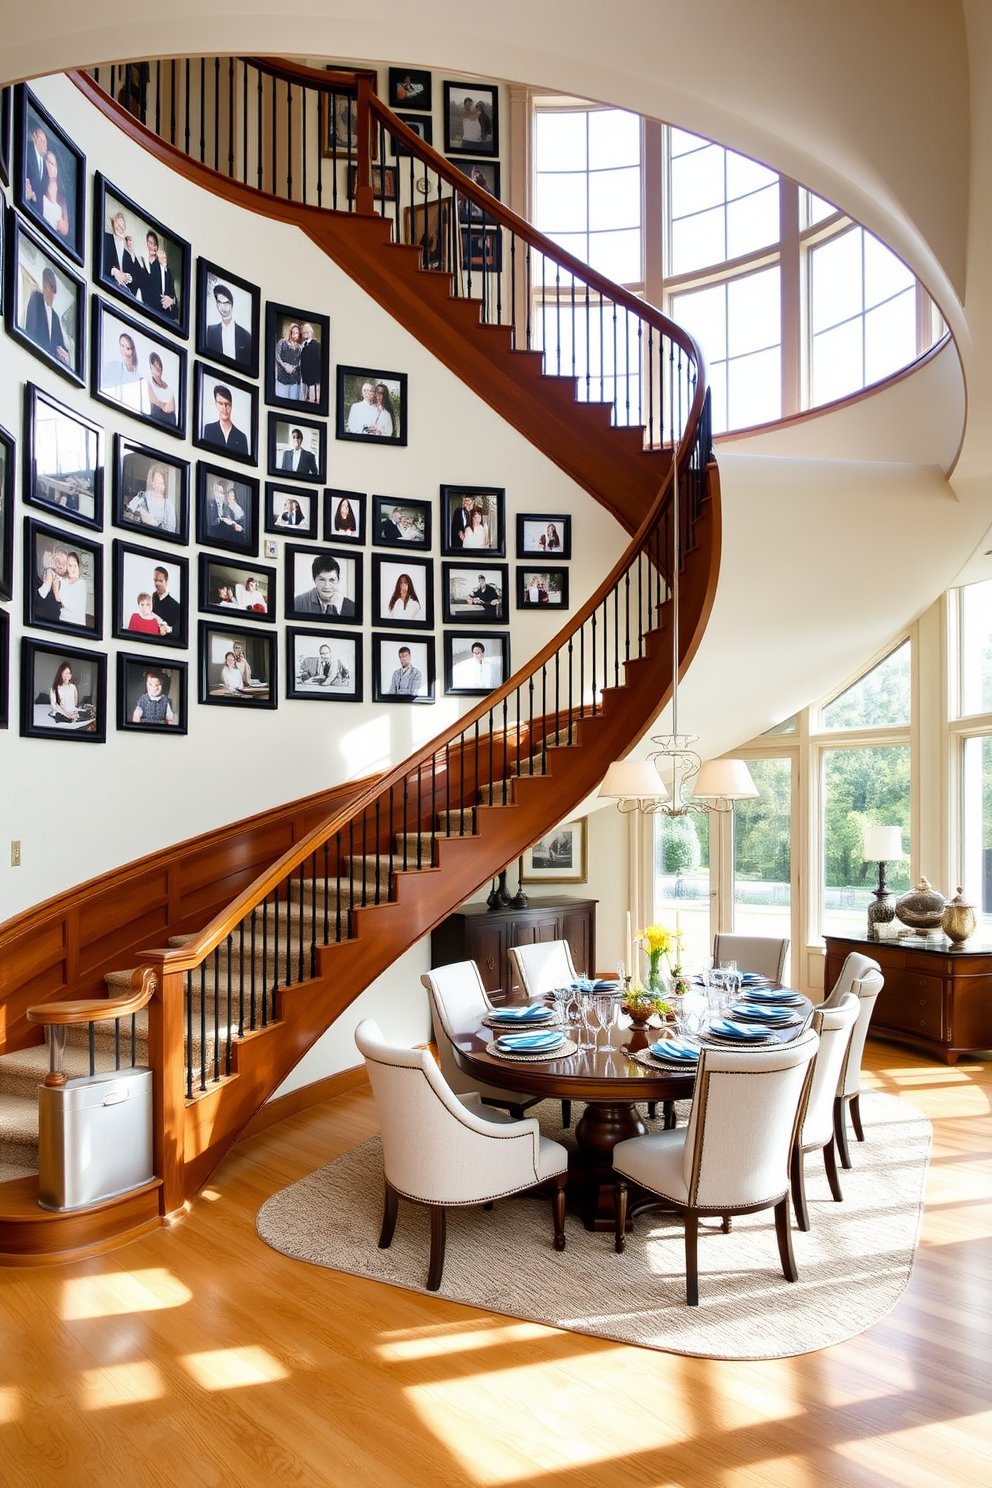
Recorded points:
566,1114
558,1210
830,1163
691,1258
517,1112
438,1233
668,1111
652,1110
620,1214
799,1188
859,1130
488,1205
725,1225
390,1205
840,1130
783,1232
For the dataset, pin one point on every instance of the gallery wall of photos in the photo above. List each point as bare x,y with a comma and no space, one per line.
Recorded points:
298,589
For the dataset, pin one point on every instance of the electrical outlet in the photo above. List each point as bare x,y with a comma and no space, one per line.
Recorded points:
15,854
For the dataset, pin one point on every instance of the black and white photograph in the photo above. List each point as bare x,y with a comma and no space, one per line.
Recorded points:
138,259
401,523
3,226
63,693
45,305
291,509
325,664
544,535
323,583
49,176
151,491
474,664
5,128
483,174
410,88
297,448
344,517
371,405
402,668
471,119
297,358
476,592
339,125
63,460
402,592
8,456
237,666
151,596
429,224
481,250
63,581
226,414
383,182
227,318
249,589
4,668
226,509
559,857
151,694
474,520
138,372
542,587
421,124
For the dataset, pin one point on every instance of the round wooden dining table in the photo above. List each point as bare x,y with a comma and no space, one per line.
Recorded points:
612,1085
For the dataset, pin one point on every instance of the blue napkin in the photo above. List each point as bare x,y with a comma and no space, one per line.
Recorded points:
613,986
534,1014
778,999
529,1043
675,1051
723,1028
753,976
760,1013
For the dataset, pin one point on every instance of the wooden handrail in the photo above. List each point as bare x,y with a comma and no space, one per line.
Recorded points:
97,1009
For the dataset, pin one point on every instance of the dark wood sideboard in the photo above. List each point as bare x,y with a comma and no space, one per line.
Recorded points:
936,996
476,933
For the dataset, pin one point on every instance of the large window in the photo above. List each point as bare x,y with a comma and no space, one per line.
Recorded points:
973,734
763,852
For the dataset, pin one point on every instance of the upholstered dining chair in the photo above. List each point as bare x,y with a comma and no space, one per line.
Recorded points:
539,968
862,976
733,1156
834,1025
763,954
458,1000
446,1150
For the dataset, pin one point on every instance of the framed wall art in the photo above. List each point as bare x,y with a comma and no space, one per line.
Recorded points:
151,695
371,405
297,358
63,692
226,414
45,305
471,119
323,664
63,581
383,182
430,225
401,523
559,857
402,592
297,448
474,520
238,666
4,669
410,88
290,509
151,491
227,318
476,593
344,516
544,535
63,464
542,587
248,589
8,459
323,583
138,372
481,250
402,668
339,126
485,175
151,596
474,664
226,508
421,124
138,259
49,176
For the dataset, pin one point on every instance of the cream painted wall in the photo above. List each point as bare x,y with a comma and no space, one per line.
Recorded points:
78,809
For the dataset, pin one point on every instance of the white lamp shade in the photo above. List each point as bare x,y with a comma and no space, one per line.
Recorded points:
725,780
627,780
881,844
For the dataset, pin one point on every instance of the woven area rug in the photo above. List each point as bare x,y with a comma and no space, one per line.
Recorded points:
853,1263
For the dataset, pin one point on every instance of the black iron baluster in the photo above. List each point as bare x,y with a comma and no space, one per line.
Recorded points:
241,978
447,790
203,1025
406,797
513,290
230,1008
303,138
203,117
244,123
216,1060
365,850
337,892
570,674
260,174
378,859
253,1021
321,114
275,945
117,1043
91,1029
134,1039
289,141
216,113
299,923
189,1035
351,865
418,814
186,93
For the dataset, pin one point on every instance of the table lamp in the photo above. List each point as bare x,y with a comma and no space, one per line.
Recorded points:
881,845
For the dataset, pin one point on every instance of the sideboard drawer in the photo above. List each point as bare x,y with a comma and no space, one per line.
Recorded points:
915,1006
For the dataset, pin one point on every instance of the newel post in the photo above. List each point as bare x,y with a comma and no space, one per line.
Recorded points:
364,195
167,1060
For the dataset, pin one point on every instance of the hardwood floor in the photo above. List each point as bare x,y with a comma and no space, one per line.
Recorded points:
197,1356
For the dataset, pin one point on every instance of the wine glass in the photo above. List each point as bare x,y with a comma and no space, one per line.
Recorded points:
607,1006
587,1012
561,997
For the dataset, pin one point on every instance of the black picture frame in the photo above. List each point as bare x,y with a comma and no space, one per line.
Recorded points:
484,174
145,379
386,664
5,98
3,234
314,357
481,250
402,522
291,510
8,471
32,273
457,505
466,601
483,139
145,264
259,685
61,437
532,526
164,579
151,492
421,124
549,583
247,586
216,394
306,676
136,694
354,409
41,664
410,88
383,182
339,125
312,445
67,230
48,554
235,527
245,302
460,664
389,589
306,592
345,518
429,224
4,669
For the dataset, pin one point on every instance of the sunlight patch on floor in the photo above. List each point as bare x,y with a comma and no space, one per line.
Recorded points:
230,1369
120,1384
10,1404
449,1341
120,1292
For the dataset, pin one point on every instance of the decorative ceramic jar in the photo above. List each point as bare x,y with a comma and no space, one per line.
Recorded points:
921,908
958,919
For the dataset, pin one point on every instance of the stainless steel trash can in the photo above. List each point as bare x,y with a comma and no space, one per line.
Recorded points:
95,1138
